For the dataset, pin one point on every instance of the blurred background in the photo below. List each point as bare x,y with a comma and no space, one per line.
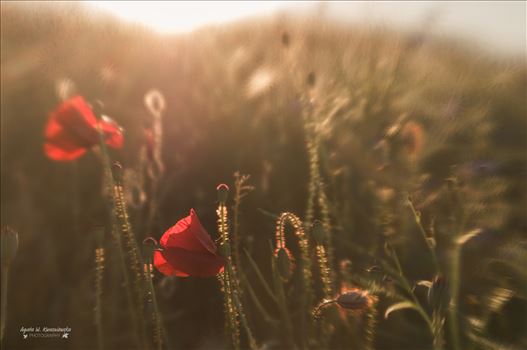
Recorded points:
232,74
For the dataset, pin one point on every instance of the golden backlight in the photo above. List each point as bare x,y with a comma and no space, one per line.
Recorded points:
167,16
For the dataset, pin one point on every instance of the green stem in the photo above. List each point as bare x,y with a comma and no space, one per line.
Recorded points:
115,228
282,302
236,296
129,297
371,322
99,272
403,281
257,302
232,311
158,326
266,286
417,218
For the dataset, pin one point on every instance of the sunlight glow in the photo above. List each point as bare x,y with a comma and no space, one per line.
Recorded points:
184,16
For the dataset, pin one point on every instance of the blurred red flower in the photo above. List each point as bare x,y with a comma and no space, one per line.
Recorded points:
73,128
188,250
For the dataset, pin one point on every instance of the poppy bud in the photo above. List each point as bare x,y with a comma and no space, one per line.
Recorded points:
9,241
354,299
318,232
149,246
284,263
225,250
223,192
439,294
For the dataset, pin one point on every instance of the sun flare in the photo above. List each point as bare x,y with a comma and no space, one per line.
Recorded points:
184,16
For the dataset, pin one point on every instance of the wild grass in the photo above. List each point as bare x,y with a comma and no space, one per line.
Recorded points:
386,194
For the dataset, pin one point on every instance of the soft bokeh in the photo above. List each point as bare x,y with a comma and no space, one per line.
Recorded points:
397,113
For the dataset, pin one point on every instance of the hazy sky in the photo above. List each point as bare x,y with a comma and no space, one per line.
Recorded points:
498,26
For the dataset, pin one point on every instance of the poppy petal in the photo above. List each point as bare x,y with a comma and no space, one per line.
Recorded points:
62,154
200,233
73,128
188,234
191,263
164,267
59,144
78,120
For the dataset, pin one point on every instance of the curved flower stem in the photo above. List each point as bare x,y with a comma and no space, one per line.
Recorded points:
318,309
307,296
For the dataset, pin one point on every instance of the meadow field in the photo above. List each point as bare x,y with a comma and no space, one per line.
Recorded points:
276,183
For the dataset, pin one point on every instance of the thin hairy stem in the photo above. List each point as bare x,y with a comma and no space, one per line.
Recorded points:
140,340
99,273
282,304
158,332
134,257
241,189
231,309
307,295
328,241
371,324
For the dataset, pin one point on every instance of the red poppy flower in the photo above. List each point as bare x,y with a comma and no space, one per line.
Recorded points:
187,250
73,129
